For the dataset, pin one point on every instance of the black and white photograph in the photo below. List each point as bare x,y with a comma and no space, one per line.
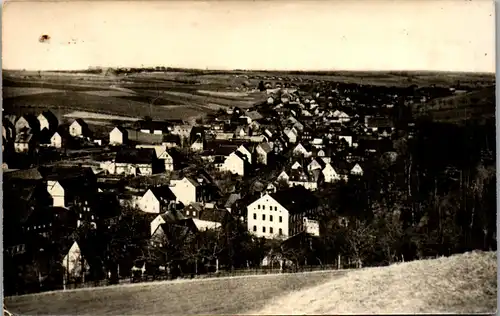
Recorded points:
249,157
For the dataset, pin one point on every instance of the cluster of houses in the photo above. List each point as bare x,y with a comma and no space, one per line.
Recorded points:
292,144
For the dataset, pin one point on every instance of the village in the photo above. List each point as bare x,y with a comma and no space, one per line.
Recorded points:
104,206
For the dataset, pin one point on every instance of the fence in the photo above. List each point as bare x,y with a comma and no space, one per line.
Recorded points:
219,274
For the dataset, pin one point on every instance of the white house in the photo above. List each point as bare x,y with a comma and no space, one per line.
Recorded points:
162,155
242,149
291,134
267,218
47,120
185,190
262,152
197,145
235,163
329,174
157,200
300,150
281,214
56,140
296,165
118,136
283,176
78,128
357,170
138,161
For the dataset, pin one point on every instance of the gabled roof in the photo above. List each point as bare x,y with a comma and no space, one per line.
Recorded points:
172,216
122,129
81,122
45,136
232,199
51,118
163,193
213,215
265,147
32,121
296,199
136,155
254,115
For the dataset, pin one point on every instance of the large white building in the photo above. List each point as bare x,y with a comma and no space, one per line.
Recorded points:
281,214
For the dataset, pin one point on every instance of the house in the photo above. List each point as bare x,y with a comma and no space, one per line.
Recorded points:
357,170
171,216
342,169
291,134
281,214
27,122
70,186
244,149
198,144
242,132
270,100
236,163
136,161
231,201
157,200
210,219
164,157
79,128
118,136
300,150
251,116
153,127
58,139
24,143
48,120
347,138
263,152
316,164
300,177
171,141
329,174
187,190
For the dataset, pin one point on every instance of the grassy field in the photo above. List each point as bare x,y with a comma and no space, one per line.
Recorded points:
209,296
464,283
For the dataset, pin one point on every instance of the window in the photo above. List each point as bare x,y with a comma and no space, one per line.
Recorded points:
187,213
254,228
281,219
258,206
263,207
263,217
270,230
280,231
263,229
194,213
270,218
255,215
275,208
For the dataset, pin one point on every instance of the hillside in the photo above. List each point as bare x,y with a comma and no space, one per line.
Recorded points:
207,296
465,283
474,105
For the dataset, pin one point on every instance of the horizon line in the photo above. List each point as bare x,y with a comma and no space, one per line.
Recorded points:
258,70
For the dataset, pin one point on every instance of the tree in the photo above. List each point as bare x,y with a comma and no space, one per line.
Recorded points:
261,86
359,241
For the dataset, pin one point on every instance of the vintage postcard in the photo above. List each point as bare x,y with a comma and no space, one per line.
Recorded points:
249,157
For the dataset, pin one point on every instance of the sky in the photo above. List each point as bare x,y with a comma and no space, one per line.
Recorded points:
267,35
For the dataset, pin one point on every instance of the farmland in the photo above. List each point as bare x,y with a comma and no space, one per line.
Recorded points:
189,94
210,296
